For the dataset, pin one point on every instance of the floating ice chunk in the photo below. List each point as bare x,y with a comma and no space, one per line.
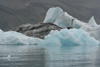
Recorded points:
87,28
64,37
95,33
12,37
70,37
1,31
52,14
92,28
92,22
83,35
64,20
77,23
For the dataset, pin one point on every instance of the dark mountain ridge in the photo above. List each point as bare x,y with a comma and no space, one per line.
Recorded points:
16,12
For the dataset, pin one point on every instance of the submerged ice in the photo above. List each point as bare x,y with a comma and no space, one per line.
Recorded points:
81,33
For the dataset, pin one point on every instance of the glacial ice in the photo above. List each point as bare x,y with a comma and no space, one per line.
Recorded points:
92,22
94,32
12,37
64,20
65,37
77,24
92,28
81,34
52,14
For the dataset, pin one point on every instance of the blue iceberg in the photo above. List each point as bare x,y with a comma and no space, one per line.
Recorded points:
64,37
72,37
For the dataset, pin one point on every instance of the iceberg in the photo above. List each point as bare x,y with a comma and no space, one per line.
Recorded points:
64,20
55,34
65,37
92,22
94,32
15,38
92,28
87,28
52,14
77,24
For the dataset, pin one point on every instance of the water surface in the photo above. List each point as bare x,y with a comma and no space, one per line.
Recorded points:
34,56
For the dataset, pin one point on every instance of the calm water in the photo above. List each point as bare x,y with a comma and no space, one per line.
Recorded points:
33,56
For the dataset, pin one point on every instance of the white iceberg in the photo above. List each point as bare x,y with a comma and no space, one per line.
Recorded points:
92,28
84,34
52,14
64,20
77,24
92,22
12,37
94,32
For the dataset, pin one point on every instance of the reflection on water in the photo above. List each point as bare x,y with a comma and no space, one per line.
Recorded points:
21,56
32,56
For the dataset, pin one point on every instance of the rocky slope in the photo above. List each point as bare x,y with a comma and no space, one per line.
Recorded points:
16,12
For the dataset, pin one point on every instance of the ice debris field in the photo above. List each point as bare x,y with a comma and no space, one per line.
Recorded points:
81,33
